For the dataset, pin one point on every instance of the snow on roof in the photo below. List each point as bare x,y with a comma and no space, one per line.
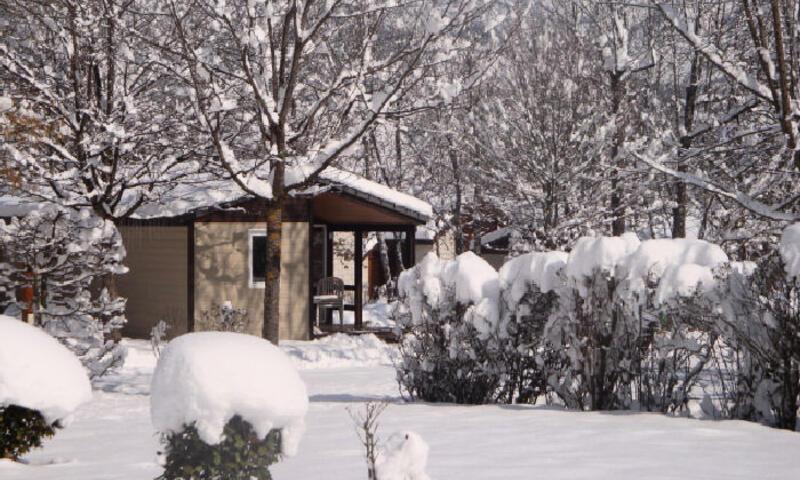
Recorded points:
358,185
39,373
207,378
790,250
204,191
496,235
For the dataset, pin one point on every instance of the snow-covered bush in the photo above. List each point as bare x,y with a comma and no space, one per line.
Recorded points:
591,333
528,285
41,385
761,322
449,311
666,284
65,254
227,404
633,325
404,457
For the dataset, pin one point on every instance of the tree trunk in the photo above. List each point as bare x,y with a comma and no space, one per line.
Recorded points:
272,279
617,191
681,194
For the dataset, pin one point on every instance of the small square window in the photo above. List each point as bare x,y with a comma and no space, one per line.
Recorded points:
258,258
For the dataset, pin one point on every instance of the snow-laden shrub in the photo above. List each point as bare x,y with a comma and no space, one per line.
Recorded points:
761,322
240,455
21,430
41,385
667,284
65,255
404,457
449,311
227,404
528,286
591,332
632,328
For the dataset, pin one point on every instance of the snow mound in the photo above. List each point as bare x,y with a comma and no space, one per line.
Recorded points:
207,378
39,373
678,266
790,250
404,458
603,253
340,350
538,268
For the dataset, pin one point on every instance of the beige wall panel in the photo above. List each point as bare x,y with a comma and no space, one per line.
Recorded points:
156,285
222,274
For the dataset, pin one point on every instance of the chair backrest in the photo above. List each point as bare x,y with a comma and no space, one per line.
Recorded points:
330,286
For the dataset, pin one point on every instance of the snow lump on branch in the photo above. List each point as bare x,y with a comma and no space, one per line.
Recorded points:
790,250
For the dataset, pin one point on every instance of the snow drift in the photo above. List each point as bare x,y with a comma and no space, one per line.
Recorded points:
39,373
207,378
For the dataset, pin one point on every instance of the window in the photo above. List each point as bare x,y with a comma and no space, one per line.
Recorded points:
258,258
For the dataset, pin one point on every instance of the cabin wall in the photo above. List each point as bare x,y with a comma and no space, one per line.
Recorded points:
222,274
156,286
444,246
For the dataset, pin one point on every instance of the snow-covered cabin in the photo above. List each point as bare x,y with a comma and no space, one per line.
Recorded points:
205,245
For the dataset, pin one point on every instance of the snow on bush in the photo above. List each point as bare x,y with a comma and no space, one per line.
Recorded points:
41,385
467,280
205,379
617,323
528,285
790,249
38,373
404,457
677,266
592,254
450,312
760,325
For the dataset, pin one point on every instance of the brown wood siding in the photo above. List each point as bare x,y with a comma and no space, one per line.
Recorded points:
157,282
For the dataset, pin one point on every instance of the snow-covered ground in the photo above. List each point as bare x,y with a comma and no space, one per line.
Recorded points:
112,438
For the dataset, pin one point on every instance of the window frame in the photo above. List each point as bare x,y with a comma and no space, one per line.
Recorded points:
251,234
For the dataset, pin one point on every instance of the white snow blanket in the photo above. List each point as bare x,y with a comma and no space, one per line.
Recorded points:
790,250
207,378
39,373
340,350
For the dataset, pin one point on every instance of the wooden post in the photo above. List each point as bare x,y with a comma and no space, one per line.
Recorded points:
408,253
190,292
359,281
328,320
